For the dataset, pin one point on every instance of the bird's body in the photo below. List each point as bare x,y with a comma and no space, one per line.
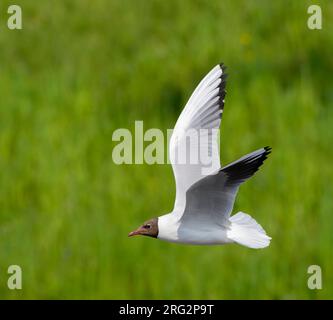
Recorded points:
205,192
196,233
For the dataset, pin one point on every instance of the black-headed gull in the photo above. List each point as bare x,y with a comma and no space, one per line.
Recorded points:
205,195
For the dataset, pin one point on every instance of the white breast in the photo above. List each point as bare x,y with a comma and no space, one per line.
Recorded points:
169,229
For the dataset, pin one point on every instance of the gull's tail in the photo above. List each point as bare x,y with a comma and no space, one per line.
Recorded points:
247,232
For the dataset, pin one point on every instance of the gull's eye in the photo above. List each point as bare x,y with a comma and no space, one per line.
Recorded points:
147,226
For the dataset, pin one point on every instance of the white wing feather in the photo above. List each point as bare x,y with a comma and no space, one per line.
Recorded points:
202,111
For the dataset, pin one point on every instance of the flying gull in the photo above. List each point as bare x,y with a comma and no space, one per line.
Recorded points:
205,196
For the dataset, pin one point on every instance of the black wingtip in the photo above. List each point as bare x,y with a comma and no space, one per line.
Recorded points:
222,85
223,66
268,150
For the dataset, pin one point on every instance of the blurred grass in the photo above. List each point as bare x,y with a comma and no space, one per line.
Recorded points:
81,69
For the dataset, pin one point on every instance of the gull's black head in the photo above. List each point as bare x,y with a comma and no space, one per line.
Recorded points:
149,228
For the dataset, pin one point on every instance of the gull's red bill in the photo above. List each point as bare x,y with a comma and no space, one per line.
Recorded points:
134,233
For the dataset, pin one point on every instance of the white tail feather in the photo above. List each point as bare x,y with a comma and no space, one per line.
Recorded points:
247,232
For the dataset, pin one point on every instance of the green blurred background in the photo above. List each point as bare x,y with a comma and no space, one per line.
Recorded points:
81,69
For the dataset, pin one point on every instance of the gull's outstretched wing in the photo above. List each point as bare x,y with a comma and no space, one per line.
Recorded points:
197,128
211,199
